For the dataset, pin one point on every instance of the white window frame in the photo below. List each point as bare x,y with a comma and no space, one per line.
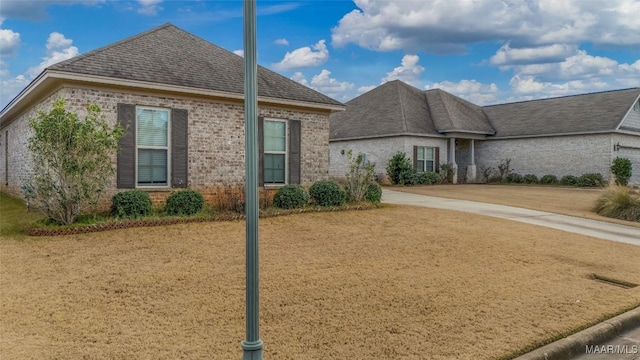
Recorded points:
168,148
285,152
433,159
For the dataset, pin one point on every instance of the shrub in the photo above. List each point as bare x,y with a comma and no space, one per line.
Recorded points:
399,169
549,179
131,204
426,178
184,202
515,178
621,169
620,203
374,193
487,174
291,197
504,168
530,179
569,180
446,173
360,176
591,180
231,198
327,193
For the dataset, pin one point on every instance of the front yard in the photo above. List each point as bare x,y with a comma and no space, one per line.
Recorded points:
392,283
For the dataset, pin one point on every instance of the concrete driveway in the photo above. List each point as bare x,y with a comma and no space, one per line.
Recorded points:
593,228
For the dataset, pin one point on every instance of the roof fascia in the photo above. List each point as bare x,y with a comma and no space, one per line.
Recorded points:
388,136
601,132
465,134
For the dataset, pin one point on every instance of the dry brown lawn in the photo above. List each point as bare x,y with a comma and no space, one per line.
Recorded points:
392,283
563,200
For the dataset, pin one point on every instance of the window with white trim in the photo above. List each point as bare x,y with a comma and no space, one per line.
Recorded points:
152,147
275,151
425,160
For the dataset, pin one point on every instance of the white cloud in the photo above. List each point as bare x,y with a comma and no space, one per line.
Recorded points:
281,42
324,83
304,57
449,25
471,90
149,7
364,89
408,72
507,55
9,43
528,85
58,48
239,52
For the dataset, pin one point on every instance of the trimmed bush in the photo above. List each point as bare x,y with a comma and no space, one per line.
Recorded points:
399,169
131,204
373,194
530,179
569,180
184,202
291,197
427,178
621,169
591,180
549,179
620,203
515,178
327,193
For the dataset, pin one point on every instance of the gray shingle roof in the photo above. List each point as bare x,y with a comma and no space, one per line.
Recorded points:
390,109
570,114
169,55
396,108
451,113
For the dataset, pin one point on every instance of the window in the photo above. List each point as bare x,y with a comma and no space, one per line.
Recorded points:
152,142
153,152
425,158
275,151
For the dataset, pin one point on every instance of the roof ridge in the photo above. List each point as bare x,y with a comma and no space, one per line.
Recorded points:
562,97
109,46
404,115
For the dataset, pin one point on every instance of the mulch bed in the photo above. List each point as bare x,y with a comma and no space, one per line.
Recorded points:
225,216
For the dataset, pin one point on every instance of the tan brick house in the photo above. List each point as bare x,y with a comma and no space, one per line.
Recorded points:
181,99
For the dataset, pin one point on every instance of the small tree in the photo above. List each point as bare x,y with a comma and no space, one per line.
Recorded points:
359,178
71,160
621,169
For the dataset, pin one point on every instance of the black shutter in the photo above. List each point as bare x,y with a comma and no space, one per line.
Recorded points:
126,163
179,148
260,151
415,158
437,159
295,139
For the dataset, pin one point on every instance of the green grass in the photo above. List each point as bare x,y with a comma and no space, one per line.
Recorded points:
14,217
619,202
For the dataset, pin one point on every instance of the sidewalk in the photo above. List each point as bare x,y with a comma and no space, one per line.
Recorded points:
593,228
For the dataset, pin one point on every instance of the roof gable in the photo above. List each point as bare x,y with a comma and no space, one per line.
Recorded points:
453,114
393,108
169,55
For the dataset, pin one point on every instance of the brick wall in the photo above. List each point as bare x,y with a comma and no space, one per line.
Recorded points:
216,137
558,155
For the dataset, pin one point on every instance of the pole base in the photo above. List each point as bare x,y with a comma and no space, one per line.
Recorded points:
252,350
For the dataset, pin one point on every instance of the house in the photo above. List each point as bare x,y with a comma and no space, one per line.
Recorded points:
570,135
181,99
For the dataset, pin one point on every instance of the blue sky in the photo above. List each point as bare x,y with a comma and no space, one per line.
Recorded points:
486,51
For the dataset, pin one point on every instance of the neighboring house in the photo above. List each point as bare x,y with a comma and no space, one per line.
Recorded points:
569,135
181,100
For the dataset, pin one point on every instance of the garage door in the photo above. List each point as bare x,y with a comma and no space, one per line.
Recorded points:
632,154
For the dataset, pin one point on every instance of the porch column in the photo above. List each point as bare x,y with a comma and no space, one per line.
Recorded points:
471,168
452,159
